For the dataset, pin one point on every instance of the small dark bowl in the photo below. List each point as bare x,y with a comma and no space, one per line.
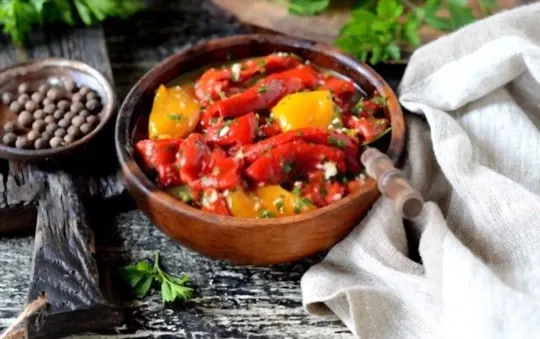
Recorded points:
241,240
37,71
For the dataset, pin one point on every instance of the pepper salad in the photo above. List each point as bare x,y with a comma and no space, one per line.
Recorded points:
265,137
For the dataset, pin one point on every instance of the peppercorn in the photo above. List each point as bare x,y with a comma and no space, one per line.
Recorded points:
23,88
63,105
49,108
84,91
30,106
32,136
7,98
60,132
9,126
9,138
46,136
15,107
23,98
21,142
58,114
39,125
76,107
77,97
25,119
86,128
36,97
50,128
92,105
55,142
64,123
43,88
49,119
69,85
68,139
40,143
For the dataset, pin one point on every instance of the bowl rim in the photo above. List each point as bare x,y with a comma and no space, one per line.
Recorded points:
133,173
36,65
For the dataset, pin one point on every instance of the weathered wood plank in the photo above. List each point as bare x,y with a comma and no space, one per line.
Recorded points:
63,263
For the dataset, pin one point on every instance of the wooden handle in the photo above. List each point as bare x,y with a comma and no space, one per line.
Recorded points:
391,183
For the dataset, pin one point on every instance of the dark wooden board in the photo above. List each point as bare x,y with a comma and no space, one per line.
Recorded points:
54,197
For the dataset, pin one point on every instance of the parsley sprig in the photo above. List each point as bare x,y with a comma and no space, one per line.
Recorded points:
379,30
19,17
143,275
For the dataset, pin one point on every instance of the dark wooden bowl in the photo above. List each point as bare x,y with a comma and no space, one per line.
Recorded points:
240,240
37,71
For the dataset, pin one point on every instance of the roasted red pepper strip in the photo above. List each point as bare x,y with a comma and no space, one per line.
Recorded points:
194,157
369,128
278,165
168,175
158,152
240,131
214,202
223,173
268,128
321,191
264,95
215,82
314,135
342,91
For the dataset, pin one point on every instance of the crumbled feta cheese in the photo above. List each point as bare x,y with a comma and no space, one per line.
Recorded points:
330,169
235,69
257,205
213,197
282,54
226,193
298,184
223,132
319,166
336,197
362,178
336,121
182,161
239,155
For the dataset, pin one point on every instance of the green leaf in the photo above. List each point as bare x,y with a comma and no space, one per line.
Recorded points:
84,12
166,293
305,7
460,14
142,288
393,51
410,31
389,9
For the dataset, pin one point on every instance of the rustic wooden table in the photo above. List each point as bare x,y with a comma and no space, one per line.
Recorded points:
230,301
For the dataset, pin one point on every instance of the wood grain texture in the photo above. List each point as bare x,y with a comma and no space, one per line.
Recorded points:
63,264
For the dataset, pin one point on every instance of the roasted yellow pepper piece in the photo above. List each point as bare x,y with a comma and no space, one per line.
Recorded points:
266,202
175,113
304,109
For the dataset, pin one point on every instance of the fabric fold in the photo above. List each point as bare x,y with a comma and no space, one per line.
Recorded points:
473,151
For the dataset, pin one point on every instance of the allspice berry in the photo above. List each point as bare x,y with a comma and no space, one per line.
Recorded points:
30,106
69,85
43,88
50,128
32,135
9,138
60,132
39,114
40,143
92,105
23,98
21,142
46,136
49,119
49,109
86,128
64,123
25,119
9,126
68,139
39,125
23,88
84,91
54,94
7,98
36,97
73,131
15,107
76,107
77,97
77,121
55,142
58,114
63,105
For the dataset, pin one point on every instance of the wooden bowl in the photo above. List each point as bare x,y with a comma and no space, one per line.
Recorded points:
37,71
240,240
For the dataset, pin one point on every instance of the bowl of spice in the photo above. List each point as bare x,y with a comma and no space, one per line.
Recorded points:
51,107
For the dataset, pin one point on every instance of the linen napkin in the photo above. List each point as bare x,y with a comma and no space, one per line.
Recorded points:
473,151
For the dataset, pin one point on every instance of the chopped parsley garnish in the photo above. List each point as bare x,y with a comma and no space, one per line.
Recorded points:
296,191
262,89
299,133
265,213
280,203
302,203
175,116
261,63
379,100
288,167
332,140
222,94
182,192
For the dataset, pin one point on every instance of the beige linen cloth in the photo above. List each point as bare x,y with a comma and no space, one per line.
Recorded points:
477,163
